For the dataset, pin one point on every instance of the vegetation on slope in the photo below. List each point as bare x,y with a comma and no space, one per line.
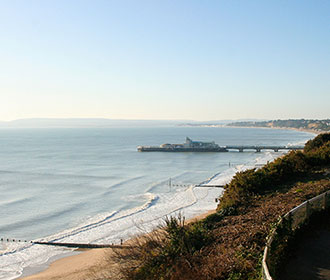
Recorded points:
276,174
229,243
157,255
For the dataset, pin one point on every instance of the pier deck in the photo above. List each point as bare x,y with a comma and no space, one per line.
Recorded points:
221,149
258,148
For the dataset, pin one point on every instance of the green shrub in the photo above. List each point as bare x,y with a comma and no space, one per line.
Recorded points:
320,156
277,173
184,240
158,256
317,142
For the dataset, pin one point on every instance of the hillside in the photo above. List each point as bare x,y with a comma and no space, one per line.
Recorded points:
313,125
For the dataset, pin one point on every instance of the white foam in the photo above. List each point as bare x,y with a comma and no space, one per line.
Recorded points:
223,178
111,228
121,225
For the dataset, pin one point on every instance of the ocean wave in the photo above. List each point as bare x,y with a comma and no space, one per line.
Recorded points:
302,142
190,191
155,185
39,219
60,175
15,202
111,217
121,183
166,181
9,250
224,177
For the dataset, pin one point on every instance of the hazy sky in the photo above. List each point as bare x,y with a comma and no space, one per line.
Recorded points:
169,59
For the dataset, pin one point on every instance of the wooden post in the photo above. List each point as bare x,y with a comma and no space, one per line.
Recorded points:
308,210
325,198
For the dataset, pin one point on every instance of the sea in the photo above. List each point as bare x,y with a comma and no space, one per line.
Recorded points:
91,185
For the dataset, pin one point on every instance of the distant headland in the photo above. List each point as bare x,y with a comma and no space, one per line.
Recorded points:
298,124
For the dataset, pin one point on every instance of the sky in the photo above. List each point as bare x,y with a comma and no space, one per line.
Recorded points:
169,59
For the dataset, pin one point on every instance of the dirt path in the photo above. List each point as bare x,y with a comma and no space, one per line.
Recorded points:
311,257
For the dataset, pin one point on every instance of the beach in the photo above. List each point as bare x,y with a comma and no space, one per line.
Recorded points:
89,264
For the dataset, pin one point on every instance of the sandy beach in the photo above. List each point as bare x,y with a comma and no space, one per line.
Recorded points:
89,264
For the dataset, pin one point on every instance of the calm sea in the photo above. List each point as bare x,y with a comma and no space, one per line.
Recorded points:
91,185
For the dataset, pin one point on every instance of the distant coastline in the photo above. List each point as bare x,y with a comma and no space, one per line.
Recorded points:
316,132
310,126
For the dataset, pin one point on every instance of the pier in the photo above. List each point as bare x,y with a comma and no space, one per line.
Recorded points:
258,149
199,146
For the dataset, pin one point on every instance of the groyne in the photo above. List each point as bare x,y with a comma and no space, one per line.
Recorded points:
66,244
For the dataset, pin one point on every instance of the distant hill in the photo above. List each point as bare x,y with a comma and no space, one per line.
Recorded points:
103,123
315,125
218,122
84,123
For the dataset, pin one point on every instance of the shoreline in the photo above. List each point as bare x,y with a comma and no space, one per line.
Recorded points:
89,263
66,265
316,132
80,265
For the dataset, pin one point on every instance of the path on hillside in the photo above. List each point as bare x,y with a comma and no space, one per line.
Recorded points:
311,257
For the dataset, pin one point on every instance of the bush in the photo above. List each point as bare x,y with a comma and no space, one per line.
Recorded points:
184,240
271,176
158,256
320,156
317,142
